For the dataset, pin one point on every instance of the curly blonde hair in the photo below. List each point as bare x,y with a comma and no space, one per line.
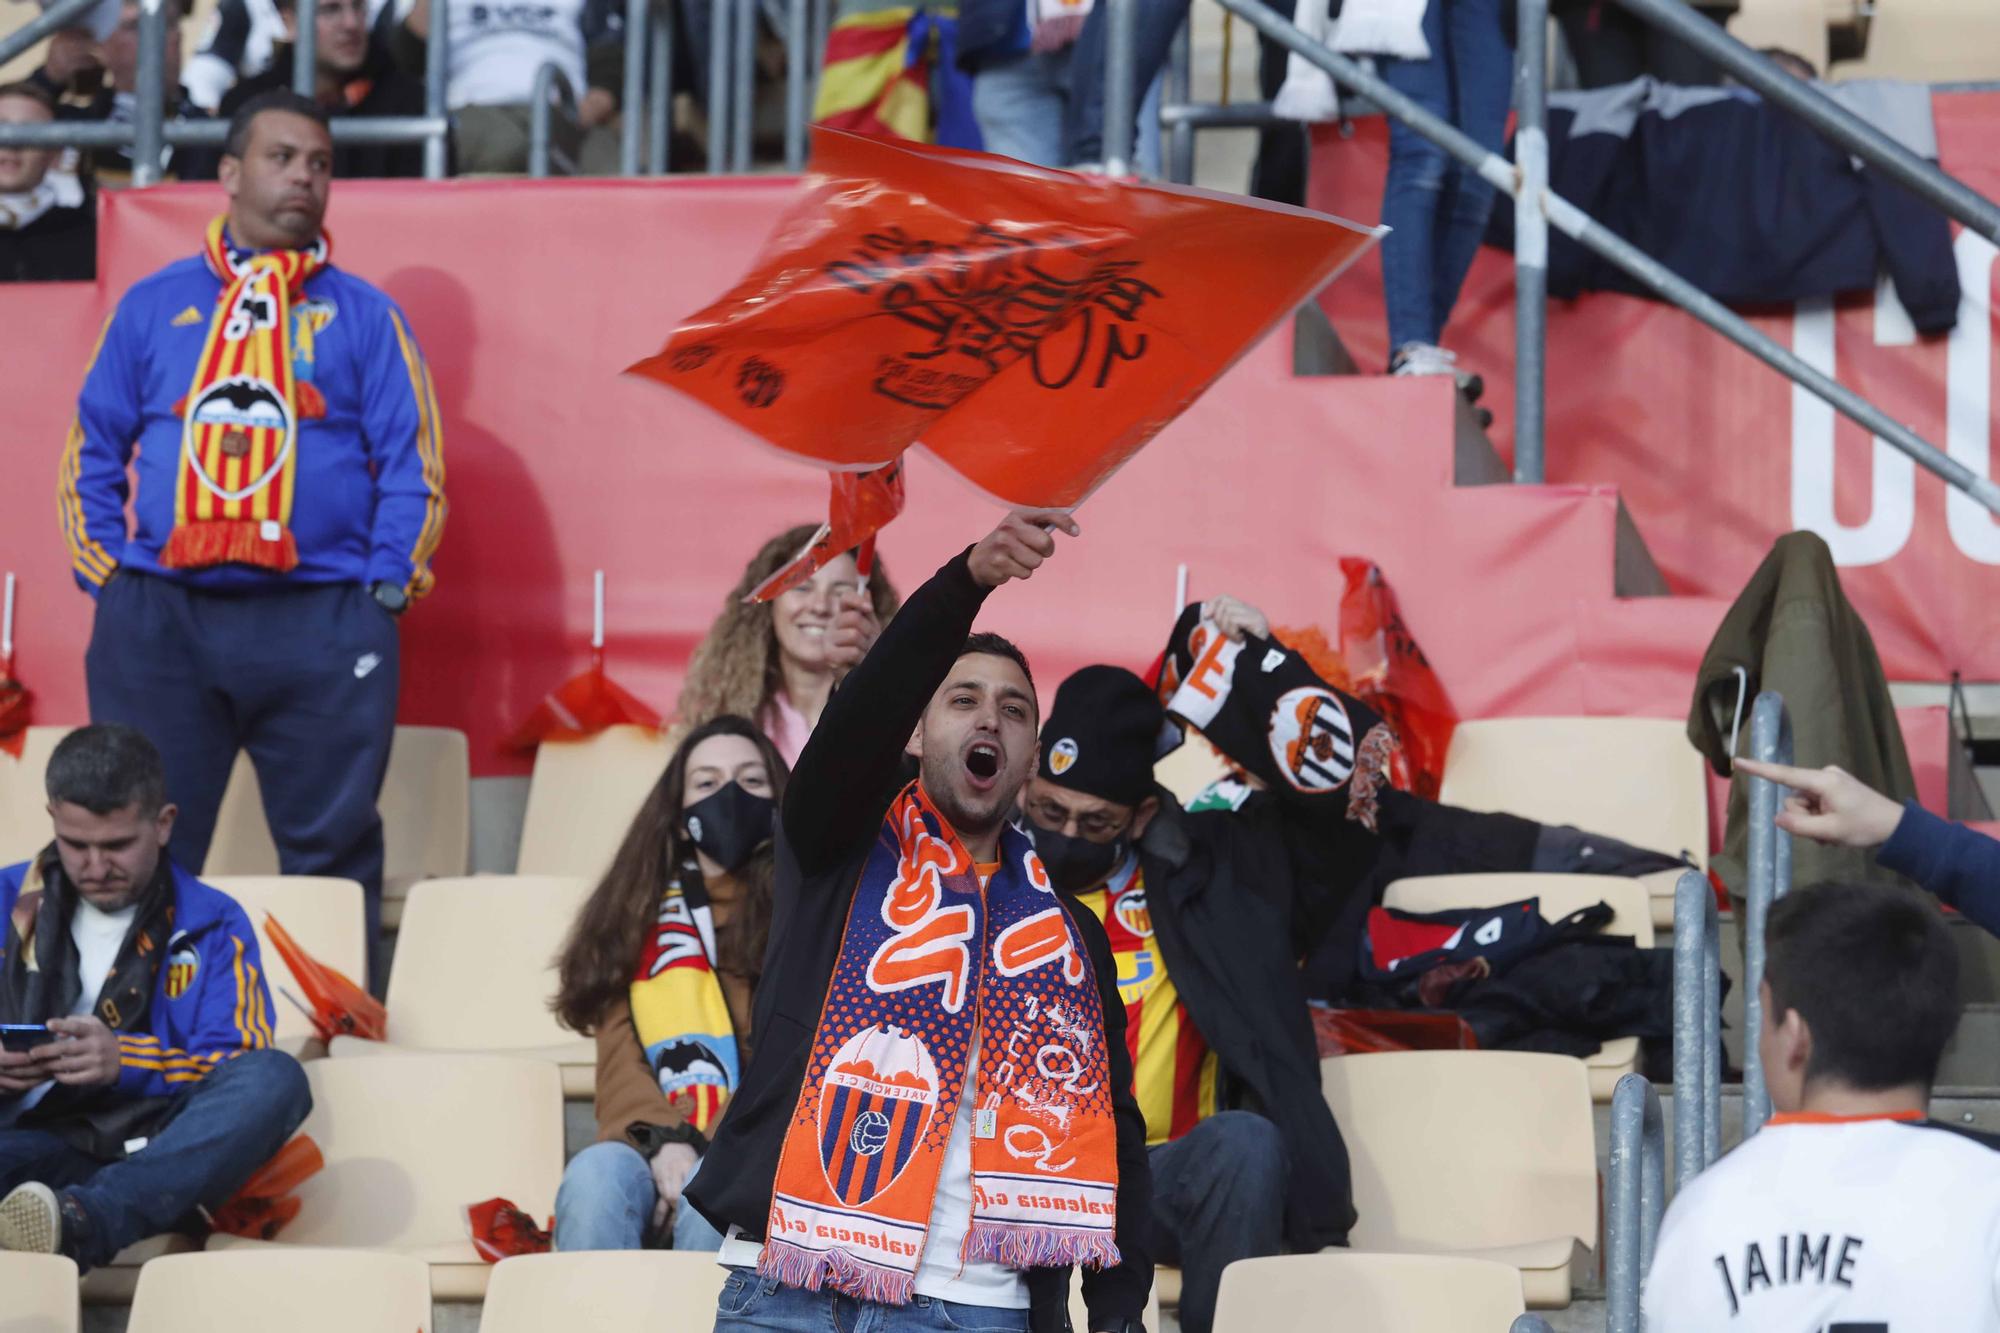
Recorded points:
735,668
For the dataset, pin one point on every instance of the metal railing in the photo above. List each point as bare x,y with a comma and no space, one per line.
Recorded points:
1770,878
1635,1198
1529,1323
1697,1028
552,90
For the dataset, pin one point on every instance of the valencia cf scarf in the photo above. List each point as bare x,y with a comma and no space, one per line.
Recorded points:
945,989
240,434
679,1011
1263,706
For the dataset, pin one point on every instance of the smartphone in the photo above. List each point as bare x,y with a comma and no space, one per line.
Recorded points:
23,1037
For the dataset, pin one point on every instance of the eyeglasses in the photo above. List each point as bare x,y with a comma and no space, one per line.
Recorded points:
1096,826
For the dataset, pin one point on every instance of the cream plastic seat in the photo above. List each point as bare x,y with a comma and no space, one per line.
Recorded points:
325,917
1560,894
298,1290
1635,778
583,796
115,1282
1476,1154
611,1291
39,1294
426,807
24,801
1383,1293
409,1144
475,970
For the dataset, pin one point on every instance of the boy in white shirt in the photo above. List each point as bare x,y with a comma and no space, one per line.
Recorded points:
1851,1211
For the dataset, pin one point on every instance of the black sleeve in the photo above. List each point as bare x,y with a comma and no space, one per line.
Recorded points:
1916,249
834,799
407,49
1114,1295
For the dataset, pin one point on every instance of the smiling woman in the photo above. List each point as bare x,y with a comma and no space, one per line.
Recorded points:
777,661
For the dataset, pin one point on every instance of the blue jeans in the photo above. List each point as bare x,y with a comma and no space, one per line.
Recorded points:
753,1304
1435,206
1153,41
1218,1196
1021,103
216,1135
606,1203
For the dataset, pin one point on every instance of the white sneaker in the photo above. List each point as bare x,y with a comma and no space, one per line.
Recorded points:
31,1220
1429,359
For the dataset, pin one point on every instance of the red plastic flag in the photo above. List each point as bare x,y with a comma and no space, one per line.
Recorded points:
1032,329
500,1230
1392,675
266,1204
587,702
862,504
339,1007
15,698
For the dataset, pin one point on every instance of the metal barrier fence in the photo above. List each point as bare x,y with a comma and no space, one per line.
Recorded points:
1697,1028
1770,878
1635,1198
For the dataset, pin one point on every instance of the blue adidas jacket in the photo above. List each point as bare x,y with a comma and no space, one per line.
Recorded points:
369,504
198,1019
1958,864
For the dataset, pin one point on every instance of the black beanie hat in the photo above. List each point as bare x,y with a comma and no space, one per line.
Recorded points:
1102,735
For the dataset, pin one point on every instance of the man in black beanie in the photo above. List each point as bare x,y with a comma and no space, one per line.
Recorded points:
1201,910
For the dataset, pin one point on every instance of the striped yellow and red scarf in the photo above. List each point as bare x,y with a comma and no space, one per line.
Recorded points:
239,445
679,1011
932,967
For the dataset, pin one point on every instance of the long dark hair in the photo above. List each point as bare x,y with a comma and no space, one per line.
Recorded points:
604,945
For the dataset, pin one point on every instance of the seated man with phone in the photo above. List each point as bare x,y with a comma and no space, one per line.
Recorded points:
137,1083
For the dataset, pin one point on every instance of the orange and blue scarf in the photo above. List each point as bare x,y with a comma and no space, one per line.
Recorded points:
933,967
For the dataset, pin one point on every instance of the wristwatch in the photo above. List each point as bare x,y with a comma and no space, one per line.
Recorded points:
390,598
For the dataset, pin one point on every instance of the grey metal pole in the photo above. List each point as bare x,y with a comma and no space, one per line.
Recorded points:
305,47
632,125
1573,222
549,79
798,80
148,142
660,111
1824,115
822,20
721,13
743,112
437,72
63,14
1771,742
1697,1024
1634,1198
1529,1323
1180,90
1531,242
1121,21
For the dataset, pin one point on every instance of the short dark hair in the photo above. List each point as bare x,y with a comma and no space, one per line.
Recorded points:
1873,972
277,99
992,645
105,768
34,92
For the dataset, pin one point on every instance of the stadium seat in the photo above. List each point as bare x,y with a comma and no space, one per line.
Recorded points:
24,802
1079,1314
582,798
1560,894
409,1144
325,917
1383,1293
115,1282
1475,1154
1635,778
475,970
39,1294
298,1290
613,1291
426,806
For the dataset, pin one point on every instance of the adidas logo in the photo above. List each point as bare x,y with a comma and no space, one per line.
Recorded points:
187,317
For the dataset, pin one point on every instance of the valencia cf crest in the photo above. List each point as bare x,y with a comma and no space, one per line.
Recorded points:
1130,909
1312,739
239,405
1061,755
183,962
874,1106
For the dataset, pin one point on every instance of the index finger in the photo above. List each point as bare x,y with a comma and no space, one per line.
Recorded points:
1048,519
1805,779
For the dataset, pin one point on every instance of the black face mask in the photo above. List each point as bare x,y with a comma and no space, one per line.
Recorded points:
1075,864
729,824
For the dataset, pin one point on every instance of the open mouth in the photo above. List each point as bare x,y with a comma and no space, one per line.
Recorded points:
982,761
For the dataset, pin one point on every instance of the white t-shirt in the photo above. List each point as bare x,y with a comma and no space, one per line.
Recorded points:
97,936
1874,1225
497,45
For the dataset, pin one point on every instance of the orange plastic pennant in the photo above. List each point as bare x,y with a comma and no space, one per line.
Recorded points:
861,506
339,1007
265,1203
1032,329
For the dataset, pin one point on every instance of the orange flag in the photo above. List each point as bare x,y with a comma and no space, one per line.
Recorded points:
1030,328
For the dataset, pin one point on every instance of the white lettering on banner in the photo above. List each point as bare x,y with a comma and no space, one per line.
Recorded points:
1893,492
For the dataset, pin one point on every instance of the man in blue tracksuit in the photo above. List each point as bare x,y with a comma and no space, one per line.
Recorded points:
278,423
147,1087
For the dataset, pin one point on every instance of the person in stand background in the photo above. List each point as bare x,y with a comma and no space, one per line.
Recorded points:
776,662
99,82
661,967
48,224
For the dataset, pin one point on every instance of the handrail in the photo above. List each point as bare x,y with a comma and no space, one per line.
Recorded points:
638,35
1121,92
150,94
660,106
721,15
1770,878
1635,1197
1531,241
305,47
548,79
798,78
50,21
437,70
1573,222
1697,1028
741,116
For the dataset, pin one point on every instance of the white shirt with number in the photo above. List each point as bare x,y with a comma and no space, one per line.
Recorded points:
1820,1225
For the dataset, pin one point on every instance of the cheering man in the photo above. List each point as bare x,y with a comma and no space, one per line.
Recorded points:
290,495
938,1121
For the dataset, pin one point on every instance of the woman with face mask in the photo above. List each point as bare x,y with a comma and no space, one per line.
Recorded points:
661,967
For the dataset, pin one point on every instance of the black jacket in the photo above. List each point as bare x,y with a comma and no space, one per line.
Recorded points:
58,246
381,89
832,815
1235,899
